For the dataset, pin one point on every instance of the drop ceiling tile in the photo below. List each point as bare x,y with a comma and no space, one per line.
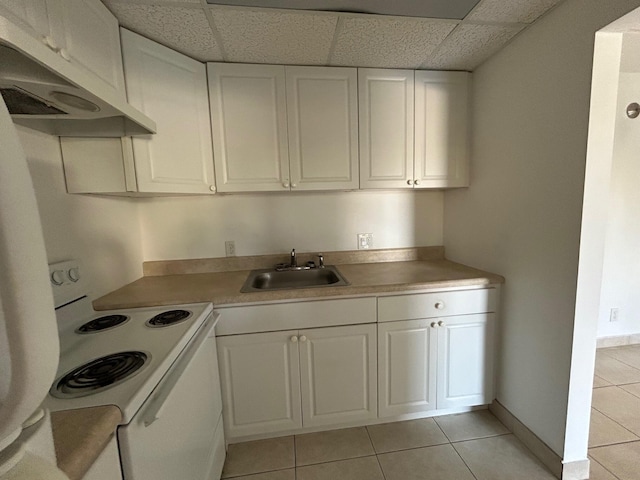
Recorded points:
388,42
275,37
525,11
470,45
183,29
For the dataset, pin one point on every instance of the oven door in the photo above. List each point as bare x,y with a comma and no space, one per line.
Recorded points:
177,433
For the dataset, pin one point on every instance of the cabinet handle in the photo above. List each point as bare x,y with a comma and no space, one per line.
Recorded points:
441,323
434,324
285,184
416,182
303,338
294,185
49,42
212,188
439,305
294,339
409,182
64,53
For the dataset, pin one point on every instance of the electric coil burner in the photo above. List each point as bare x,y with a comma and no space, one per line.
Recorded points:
102,323
170,317
99,374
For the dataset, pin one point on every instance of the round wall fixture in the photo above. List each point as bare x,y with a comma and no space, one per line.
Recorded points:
74,101
633,110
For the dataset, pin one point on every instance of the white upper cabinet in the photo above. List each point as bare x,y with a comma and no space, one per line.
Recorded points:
170,88
249,124
87,34
84,33
322,109
385,99
441,129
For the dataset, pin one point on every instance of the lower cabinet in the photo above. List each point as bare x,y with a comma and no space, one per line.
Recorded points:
435,363
286,380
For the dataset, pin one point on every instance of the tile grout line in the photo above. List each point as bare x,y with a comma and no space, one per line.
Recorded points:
376,453
463,461
605,468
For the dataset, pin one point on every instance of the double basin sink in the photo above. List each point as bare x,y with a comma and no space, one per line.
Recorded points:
270,279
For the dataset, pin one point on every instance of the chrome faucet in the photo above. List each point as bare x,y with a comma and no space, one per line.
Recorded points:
294,261
320,260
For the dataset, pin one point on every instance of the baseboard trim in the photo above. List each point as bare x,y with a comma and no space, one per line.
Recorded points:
618,340
578,470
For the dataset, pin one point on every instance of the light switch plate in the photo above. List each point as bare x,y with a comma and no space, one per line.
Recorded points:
365,241
230,248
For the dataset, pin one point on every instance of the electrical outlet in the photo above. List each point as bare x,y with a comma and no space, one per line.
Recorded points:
614,315
230,248
365,240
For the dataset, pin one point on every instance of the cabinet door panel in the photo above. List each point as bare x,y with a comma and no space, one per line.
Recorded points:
171,88
322,111
442,139
89,33
338,374
32,14
465,361
385,99
260,378
407,367
249,124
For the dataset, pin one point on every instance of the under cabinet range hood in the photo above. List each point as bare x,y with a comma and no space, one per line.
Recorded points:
45,92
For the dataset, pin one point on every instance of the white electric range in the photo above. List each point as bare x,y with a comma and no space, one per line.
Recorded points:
158,365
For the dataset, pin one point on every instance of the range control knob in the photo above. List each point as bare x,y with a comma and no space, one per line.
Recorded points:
57,277
74,274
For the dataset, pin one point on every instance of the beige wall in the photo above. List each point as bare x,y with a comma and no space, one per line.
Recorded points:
521,216
197,227
103,233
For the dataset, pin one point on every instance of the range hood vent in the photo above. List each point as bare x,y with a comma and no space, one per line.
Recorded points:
46,92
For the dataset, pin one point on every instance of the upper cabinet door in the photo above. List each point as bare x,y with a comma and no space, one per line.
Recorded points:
249,124
31,14
322,110
442,132
87,34
171,88
386,128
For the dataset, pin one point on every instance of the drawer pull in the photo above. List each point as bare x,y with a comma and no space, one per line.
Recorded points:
441,323
434,324
439,305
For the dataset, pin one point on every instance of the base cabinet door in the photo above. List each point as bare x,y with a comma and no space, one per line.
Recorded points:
260,379
465,360
407,355
338,374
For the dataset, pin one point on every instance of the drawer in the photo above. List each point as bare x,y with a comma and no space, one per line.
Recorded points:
437,304
296,315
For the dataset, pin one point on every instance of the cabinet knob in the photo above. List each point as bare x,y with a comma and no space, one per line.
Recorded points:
441,323
285,184
409,182
64,53
212,188
303,338
439,305
416,182
294,185
434,324
48,41
294,339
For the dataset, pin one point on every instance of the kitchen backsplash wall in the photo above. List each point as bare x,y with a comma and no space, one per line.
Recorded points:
104,233
197,227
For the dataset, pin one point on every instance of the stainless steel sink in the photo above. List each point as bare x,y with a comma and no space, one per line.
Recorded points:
261,280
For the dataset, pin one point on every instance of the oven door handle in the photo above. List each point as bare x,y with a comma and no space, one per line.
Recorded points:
159,396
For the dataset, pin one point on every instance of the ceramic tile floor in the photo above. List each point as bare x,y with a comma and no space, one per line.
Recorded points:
468,446
614,438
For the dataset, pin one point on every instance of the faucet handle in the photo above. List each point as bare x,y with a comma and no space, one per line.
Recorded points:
320,260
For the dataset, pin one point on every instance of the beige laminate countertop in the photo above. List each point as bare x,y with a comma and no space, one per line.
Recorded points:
223,288
81,435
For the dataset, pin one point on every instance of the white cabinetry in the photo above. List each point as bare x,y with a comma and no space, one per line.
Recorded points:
322,111
385,99
281,381
436,351
84,33
278,128
249,123
172,89
441,129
